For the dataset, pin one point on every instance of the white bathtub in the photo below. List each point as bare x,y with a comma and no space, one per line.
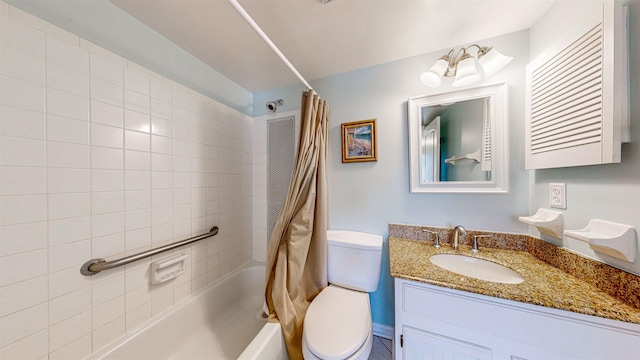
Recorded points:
220,322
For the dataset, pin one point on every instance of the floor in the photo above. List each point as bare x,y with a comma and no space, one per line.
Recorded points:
381,349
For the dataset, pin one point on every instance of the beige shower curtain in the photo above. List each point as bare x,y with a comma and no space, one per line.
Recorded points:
296,265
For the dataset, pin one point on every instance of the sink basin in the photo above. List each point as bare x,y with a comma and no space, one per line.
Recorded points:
476,268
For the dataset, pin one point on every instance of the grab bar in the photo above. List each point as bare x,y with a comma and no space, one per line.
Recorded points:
94,266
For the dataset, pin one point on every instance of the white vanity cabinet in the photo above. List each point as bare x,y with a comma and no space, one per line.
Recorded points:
433,322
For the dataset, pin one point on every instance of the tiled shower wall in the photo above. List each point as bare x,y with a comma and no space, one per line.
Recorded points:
101,158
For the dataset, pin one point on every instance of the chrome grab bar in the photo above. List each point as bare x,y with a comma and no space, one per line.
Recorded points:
94,266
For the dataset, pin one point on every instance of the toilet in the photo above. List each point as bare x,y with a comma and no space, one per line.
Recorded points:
337,325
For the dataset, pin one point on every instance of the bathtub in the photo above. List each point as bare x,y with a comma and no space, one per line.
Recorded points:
220,322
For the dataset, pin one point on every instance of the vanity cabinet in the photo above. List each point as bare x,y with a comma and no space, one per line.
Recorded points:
433,322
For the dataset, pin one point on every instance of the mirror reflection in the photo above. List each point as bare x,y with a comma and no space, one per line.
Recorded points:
458,141
455,141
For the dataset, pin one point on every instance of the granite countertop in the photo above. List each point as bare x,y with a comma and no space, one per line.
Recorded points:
544,284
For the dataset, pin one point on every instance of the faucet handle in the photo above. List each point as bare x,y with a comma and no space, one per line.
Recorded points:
474,245
437,237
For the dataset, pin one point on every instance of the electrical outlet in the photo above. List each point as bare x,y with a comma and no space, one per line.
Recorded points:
558,195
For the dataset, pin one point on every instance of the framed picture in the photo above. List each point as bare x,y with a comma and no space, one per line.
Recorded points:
359,141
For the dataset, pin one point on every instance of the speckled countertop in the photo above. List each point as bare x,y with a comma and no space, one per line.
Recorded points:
602,291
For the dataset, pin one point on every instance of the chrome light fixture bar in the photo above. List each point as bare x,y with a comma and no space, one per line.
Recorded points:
462,66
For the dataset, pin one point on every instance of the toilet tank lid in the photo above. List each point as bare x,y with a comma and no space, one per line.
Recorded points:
354,239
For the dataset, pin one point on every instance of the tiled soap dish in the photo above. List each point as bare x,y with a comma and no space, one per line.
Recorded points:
549,222
615,240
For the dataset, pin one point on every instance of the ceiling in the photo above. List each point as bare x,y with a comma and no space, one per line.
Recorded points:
325,39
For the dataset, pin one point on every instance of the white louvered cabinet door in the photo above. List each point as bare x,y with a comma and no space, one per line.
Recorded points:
577,95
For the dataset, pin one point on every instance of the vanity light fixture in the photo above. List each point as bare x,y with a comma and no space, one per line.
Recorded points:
462,66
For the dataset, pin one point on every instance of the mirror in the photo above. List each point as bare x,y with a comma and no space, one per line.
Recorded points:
458,141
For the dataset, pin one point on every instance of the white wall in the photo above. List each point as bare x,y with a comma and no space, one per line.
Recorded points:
101,157
607,192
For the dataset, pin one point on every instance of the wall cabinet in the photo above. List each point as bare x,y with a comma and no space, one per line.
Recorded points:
577,103
439,323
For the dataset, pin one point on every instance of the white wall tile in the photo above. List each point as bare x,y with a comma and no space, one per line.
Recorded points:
23,323
107,224
181,99
107,158
22,151
107,136
161,144
161,127
67,130
108,333
136,101
107,180
69,230
107,92
161,162
136,81
108,311
138,239
21,94
69,330
66,281
107,114
106,69
109,245
70,55
22,123
137,180
161,180
137,219
161,110
139,316
22,237
76,349
62,206
31,347
22,37
107,202
137,160
22,209
138,121
67,79
69,255
69,305
161,91
67,155
108,186
68,105
23,295
21,65
137,199
68,180
161,215
22,180
134,140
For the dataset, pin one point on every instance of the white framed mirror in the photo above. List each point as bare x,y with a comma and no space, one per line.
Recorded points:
459,141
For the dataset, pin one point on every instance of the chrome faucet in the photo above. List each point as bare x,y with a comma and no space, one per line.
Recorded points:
456,235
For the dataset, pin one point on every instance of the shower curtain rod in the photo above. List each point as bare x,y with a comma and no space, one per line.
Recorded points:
266,39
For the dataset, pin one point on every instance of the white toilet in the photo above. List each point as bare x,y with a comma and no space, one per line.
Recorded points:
338,324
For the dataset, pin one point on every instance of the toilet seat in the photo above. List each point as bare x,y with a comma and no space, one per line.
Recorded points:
337,323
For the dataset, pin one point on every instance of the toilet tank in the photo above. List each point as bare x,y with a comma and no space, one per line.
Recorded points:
354,259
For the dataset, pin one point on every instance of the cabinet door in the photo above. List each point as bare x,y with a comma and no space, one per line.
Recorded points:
577,95
420,344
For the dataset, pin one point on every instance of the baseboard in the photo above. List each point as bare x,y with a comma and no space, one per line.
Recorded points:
383,331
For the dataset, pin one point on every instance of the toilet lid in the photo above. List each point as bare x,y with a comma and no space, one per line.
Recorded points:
337,323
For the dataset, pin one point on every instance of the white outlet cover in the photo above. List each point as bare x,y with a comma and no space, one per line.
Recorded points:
558,195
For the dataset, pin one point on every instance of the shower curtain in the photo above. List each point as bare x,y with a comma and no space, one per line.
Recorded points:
296,264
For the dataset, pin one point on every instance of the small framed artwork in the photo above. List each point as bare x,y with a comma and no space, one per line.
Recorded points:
359,141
